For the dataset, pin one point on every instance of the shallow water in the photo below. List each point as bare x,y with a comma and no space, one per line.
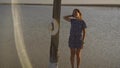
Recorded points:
101,49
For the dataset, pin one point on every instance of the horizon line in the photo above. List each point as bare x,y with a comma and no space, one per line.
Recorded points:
104,5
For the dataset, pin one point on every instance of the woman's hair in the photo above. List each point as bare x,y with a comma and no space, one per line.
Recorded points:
78,12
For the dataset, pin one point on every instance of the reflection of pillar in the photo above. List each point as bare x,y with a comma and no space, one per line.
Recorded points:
55,37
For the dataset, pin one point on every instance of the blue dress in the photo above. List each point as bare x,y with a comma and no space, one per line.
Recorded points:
75,38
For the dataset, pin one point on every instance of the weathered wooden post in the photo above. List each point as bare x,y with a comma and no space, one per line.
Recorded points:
55,37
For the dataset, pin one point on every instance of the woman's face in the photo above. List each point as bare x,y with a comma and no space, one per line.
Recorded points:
76,13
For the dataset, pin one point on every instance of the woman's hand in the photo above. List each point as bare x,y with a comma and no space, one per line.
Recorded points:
82,44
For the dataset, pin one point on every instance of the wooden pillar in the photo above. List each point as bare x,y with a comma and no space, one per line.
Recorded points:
55,38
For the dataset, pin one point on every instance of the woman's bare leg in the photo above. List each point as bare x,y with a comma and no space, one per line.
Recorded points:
78,56
72,50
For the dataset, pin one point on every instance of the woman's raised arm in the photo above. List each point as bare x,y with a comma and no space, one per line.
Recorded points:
67,18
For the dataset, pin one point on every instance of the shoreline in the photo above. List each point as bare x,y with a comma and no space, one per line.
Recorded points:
90,5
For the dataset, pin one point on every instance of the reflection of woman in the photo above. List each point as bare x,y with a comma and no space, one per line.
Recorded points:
77,35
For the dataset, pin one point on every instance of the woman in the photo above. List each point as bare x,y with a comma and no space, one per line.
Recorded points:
77,35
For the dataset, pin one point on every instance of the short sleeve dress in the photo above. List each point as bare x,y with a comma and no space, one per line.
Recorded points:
75,38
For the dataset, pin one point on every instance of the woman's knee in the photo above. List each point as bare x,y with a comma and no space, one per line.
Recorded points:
78,52
72,52
77,55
